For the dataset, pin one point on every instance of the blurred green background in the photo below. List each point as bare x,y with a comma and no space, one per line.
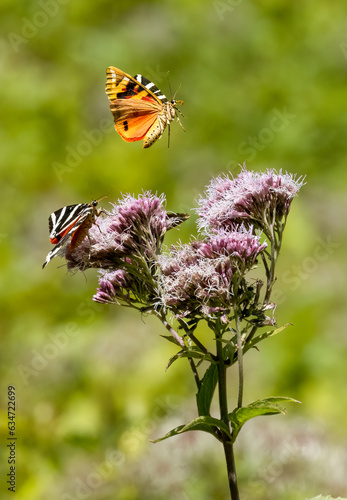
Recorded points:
263,82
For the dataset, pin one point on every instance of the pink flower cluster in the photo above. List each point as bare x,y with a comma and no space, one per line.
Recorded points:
125,245
198,278
258,198
134,229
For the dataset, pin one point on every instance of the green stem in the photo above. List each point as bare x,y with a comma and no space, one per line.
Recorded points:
196,341
270,271
223,405
239,357
195,373
171,330
237,315
275,237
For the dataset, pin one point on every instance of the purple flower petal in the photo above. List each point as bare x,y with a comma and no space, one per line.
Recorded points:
252,197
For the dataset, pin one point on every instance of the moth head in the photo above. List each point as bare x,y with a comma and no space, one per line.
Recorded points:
176,101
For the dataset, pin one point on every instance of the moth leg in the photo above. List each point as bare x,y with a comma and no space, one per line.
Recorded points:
168,134
90,247
97,227
179,121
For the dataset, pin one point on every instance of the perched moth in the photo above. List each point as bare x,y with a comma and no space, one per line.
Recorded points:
72,221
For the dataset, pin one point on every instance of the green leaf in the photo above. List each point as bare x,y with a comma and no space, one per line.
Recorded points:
206,390
229,349
192,352
171,339
204,423
267,406
264,336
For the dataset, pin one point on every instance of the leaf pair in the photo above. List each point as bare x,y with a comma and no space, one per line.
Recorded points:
206,423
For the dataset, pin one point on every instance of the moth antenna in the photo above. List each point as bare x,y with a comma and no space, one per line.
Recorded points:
90,190
104,196
174,96
168,80
88,184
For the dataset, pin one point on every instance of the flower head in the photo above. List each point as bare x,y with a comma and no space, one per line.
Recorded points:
125,245
192,281
257,198
113,286
132,231
240,244
198,278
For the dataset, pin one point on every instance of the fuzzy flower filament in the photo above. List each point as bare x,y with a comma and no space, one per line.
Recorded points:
125,245
262,199
198,278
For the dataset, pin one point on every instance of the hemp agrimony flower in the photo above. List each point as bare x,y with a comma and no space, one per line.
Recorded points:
198,278
126,245
258,198
261,199
241,222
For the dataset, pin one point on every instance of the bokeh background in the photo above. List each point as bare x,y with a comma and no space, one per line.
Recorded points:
263,83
